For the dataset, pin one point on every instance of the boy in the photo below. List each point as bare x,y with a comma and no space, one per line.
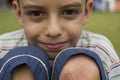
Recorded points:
54,25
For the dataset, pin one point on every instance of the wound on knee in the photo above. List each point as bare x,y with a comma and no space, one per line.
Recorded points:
80,67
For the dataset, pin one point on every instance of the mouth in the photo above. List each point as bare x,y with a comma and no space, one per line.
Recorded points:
54,46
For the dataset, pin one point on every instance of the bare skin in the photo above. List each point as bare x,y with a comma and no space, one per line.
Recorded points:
80,67
22,72
54,25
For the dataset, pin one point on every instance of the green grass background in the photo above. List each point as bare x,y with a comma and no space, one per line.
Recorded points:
105,23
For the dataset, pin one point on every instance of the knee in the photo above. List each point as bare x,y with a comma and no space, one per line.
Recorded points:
22,72
80,67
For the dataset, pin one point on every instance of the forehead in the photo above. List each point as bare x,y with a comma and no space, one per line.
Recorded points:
49,3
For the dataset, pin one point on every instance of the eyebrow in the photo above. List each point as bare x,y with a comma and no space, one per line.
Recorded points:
33,7
29,6
76,4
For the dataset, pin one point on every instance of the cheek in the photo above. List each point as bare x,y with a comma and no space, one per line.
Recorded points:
74,27
75,34
74,30
32,30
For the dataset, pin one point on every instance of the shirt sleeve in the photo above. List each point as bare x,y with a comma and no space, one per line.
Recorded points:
109,57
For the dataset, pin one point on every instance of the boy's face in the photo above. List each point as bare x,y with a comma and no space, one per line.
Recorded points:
52,24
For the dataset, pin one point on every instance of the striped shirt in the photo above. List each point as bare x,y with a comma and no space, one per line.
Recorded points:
95,42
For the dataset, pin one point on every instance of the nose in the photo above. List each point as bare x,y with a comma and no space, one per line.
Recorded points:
54,29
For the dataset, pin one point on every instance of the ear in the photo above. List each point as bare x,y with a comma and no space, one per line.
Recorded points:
88,10
17,9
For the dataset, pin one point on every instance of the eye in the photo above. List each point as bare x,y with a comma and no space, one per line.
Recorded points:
70,12
36,13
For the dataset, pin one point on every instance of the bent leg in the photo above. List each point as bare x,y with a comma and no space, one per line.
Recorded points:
80,67
22,72
25,63
78,64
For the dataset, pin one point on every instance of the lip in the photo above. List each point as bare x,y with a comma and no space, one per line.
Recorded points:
54,46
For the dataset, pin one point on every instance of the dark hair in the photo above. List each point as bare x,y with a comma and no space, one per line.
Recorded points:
9,2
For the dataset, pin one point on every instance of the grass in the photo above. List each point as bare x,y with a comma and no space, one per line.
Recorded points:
8,21
107,24
104,23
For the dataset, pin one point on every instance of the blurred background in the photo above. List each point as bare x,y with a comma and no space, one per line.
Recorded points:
105,19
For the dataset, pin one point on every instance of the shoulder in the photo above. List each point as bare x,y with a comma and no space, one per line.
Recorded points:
12,34
11,40
93,39
99,44
104,48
